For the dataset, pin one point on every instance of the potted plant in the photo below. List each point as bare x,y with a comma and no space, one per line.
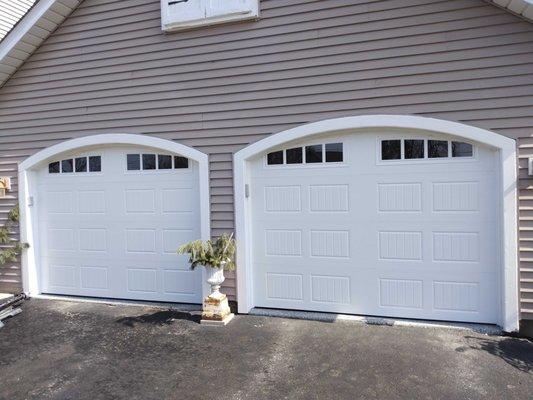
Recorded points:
215,256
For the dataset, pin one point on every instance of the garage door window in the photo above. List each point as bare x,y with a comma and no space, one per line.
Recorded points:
136,162
53,168
67,166
311,154
391,149
149,161
181,162
437,148
81,164
275,158
420,149
461,149
95,164
334,152
76,165
294,156
164,161
414,149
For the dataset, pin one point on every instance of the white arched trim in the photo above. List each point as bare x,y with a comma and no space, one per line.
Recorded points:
27,189
507,149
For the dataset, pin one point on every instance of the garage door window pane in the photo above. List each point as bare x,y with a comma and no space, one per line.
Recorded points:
294,156
181,162
275,158
95,164
67,166
413,149
391,149
313,154
164,161
134,162
334,152
81,164
461,149
53,168
437,148
149,161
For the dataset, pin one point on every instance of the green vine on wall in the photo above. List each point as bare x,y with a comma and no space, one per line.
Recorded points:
15,247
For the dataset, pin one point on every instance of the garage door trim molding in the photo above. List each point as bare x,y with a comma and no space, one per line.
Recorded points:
28,189
508,201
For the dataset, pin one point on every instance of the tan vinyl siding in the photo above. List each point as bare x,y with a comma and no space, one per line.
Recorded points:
109,68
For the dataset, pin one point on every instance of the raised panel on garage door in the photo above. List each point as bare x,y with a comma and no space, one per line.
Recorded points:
113,231
406,231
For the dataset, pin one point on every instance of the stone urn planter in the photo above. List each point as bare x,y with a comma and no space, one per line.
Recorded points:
215,257
216,310
215,277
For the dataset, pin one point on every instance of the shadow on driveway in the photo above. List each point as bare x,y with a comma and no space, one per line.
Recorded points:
513,351
159,318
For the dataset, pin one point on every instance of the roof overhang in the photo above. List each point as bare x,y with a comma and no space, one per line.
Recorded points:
523,8
31,31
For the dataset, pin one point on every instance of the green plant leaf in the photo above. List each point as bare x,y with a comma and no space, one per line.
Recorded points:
216,254
11,253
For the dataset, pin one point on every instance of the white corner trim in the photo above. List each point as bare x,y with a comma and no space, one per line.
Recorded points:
27,188
506,146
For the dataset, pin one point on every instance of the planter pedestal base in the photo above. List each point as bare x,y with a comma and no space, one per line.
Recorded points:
216,310
212,322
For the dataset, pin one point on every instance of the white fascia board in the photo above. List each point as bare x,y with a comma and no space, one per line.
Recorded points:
522,8
15,37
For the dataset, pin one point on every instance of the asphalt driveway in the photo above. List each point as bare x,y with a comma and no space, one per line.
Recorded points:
66,350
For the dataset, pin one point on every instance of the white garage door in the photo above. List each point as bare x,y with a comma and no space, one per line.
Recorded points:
379,223
110,221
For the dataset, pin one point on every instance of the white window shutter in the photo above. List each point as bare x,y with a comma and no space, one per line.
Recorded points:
183,14
217,8
180,11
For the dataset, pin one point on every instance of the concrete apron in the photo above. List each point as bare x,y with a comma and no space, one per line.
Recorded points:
196,309
192,308
332,317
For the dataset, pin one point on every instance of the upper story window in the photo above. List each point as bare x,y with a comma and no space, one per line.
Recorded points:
311,154
137,162
183,14
76,165
420,149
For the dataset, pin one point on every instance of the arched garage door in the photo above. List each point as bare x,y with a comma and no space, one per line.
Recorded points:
383,222
110,219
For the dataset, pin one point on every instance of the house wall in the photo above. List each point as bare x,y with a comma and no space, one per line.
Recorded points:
109,68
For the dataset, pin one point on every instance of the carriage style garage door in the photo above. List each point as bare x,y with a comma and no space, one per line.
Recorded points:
110,221
380,223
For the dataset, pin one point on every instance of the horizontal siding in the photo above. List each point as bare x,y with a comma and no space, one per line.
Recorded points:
109,68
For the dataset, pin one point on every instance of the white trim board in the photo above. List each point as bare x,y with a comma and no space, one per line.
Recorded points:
507,149
15,50
28,189
523,8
